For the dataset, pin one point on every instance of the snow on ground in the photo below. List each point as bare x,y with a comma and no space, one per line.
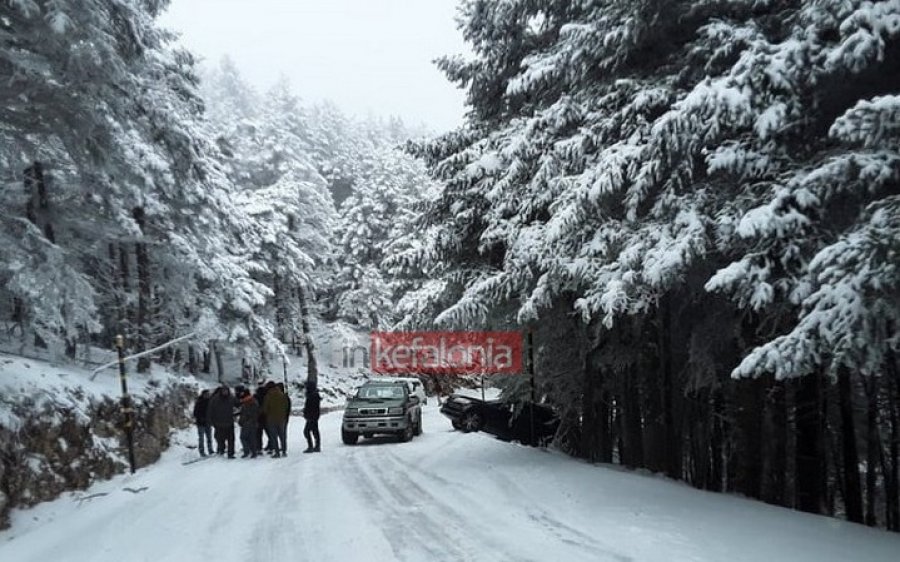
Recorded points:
444,496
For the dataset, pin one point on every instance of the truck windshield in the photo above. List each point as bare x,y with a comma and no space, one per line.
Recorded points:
380,392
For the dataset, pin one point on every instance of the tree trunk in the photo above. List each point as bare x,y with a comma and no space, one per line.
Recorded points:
36,210
124,268
716,442
852,487
143,309
750,439
220,369
633,437
192,359
71,348
873,449
38,206
207,361
809,449
892,486
279,310
651,411
603,419
671,433
595,439
589,446
775,491
312,369
696,425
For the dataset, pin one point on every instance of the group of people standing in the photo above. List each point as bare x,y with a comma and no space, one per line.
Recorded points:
267,410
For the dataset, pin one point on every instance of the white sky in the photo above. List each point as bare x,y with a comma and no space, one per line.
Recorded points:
367,56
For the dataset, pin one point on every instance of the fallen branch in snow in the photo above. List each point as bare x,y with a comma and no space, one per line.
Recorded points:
135,490
90,497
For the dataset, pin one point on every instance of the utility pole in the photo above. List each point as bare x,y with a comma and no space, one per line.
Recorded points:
127,405
127,409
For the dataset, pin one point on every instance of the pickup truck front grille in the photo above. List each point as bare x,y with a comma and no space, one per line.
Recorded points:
372,411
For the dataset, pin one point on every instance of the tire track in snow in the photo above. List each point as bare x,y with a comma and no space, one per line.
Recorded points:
557,528
545,522
434,520
276,536
402,520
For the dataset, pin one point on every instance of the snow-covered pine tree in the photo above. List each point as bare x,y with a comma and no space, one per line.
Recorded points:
618,157
100,98
376,218
287,202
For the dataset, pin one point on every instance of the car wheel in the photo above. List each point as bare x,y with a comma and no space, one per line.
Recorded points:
407,434
471,421
349,437
456,424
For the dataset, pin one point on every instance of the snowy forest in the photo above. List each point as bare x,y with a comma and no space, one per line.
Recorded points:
693,206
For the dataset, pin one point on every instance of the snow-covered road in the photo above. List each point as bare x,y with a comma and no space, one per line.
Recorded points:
445,496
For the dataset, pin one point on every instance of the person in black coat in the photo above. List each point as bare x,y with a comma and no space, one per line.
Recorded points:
287,416
311,411
221,417
201,418
261,424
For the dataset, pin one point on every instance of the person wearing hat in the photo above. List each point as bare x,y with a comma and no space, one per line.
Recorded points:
311,411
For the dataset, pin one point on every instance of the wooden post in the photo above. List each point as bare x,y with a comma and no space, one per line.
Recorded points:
127,408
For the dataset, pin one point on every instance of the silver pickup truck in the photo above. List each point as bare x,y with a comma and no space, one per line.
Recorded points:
382,407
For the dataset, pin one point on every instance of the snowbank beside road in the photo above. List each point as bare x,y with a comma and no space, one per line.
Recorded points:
59,430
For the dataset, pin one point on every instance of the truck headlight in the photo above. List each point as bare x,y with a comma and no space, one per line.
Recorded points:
397,410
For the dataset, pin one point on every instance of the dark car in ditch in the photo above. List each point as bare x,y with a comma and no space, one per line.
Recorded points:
525,422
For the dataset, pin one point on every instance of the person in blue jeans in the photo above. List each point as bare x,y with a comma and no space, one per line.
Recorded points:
275,407
248,419
201,418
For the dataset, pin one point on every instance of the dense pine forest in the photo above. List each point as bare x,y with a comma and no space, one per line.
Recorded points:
693,206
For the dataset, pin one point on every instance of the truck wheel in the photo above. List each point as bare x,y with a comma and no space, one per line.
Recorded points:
407,434
419,426
456,424
349,437
471,422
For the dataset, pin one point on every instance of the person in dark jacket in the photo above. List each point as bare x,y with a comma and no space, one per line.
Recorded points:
261,425
311,411
221,417
248,420
287,415
201,418
275,408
